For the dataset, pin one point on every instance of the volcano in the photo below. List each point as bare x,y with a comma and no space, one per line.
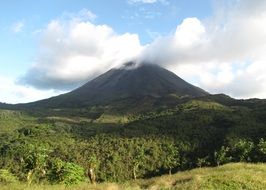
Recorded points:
129,81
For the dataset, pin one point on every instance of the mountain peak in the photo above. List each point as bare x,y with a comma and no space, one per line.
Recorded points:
131,80
134,65
130,64
135,80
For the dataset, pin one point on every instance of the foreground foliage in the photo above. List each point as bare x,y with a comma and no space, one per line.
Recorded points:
230,176
98,144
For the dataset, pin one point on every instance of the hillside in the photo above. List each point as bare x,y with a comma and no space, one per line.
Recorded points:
197,132
230,176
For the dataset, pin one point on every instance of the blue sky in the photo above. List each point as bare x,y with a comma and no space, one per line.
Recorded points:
146,19
50,47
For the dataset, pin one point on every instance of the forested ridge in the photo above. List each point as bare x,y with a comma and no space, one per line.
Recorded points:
100,144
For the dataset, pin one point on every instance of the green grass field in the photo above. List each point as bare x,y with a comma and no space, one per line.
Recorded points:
237,176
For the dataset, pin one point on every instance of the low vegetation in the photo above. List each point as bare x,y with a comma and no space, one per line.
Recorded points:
77,149
229,176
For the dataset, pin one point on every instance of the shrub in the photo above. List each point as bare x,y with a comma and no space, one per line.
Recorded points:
6,177
221,156
241,150
67,173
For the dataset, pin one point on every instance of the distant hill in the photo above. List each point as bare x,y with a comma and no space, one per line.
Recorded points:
129,81
5,106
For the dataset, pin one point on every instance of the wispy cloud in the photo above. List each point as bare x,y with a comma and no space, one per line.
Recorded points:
18,26
141,1
164,2
82,15
153,35
37,31
144,13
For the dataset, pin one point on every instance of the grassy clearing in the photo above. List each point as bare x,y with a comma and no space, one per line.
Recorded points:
239,176
197,104
104,186
105,118
227,177
10,120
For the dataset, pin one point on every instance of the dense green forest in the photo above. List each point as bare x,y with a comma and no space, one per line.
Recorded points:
117,144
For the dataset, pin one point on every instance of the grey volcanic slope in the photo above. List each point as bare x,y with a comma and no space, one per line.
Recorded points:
126,82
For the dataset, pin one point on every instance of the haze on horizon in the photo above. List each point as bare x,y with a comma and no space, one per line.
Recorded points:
50,47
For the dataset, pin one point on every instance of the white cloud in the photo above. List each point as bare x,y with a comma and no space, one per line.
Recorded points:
10,92
17,26
218,53
74,51
189,32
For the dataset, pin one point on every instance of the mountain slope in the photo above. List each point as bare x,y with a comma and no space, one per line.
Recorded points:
129,81
145,80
